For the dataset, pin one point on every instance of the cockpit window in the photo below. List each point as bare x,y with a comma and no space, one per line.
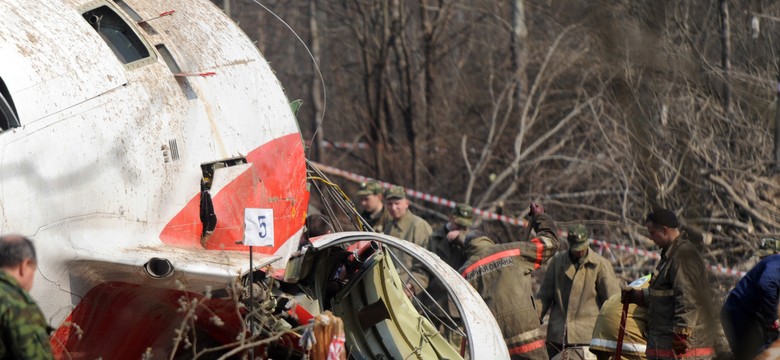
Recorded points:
8,115
119,36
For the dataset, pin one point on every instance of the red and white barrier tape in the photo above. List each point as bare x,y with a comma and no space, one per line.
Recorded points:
325,144
720,269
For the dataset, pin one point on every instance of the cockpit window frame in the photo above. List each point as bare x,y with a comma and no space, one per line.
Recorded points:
151,59
9,117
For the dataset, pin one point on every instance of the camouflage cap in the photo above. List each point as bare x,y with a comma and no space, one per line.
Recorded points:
370,188
768,246
578,238
462,215
395,192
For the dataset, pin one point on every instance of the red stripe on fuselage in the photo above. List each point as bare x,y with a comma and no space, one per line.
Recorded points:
276,180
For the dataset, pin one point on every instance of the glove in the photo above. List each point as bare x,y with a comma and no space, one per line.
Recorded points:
773,326
535,209
680,344
632,296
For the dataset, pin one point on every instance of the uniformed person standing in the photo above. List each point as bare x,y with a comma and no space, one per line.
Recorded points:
371,196
405,225
23,328
577,282
501,274
447,242
679,313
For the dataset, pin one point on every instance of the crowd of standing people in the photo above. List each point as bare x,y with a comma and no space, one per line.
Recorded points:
669,314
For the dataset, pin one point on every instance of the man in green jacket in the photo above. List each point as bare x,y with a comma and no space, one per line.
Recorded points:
23,328
501,274
679,310
577,282
410,227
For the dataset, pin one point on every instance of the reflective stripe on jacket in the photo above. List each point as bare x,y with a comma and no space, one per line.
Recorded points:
679,302
605,331
502,275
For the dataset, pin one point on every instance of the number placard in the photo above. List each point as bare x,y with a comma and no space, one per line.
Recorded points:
258,227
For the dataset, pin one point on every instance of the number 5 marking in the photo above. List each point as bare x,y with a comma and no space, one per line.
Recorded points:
261,223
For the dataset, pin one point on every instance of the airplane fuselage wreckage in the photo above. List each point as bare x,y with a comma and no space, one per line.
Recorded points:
142,145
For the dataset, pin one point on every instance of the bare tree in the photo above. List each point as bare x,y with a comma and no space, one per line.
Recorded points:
601,109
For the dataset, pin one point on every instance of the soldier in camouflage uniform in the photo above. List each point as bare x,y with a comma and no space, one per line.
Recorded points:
23,328
371,197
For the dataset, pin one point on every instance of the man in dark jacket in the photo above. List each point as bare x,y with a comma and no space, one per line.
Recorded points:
749,315
679,313
502,275
372,204
447,242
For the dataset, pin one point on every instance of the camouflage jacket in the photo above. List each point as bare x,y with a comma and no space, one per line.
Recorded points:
23,329
501,274
678,302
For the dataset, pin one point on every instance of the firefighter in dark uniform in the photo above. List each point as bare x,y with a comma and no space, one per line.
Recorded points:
679,313
501,273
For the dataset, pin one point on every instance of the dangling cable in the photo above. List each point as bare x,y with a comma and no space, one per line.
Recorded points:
337,195
313,60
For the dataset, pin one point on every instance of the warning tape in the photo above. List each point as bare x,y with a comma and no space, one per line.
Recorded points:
325,144
720,269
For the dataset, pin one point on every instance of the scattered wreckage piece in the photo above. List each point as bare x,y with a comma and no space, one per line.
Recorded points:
351,273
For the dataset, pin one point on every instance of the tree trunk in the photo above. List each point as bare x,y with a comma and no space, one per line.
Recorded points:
226,8
726,56
405,97
427,81
519,34
777,127
317,153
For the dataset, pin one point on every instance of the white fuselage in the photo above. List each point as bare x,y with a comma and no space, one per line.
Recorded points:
109,154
